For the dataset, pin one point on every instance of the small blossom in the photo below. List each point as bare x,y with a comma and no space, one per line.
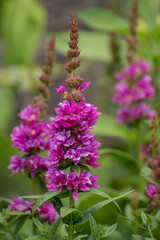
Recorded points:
151,191
18,204
47,213
82,183
16,164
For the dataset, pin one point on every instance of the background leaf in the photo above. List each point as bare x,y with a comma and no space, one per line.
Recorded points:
105,20
93,45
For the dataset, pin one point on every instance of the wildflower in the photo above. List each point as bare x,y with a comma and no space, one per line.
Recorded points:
47,213
18,204
151,191
71,142
134,85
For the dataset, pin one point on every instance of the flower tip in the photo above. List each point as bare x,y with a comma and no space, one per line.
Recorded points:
52,43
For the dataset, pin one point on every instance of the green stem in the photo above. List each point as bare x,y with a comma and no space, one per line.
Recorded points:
14,237
139,147
150,232
71,226
34,190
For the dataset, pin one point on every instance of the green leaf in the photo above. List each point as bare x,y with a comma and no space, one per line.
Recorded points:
148,179
57,203
102,19
5,200
3,220
110,230
17,213
121,156
87,44
38,224
37,237
93,227
103,194
96,207
44,198
20,222
55,226
147,13
144,217
32,196
70,214
77,170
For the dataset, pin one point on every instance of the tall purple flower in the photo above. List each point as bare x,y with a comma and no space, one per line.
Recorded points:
31,137
71,141
134,85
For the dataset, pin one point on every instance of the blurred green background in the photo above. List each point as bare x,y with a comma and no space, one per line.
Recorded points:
25,28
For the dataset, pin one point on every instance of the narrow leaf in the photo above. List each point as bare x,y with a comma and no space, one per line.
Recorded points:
110,229
37,237
55,226
38,224
70,214
3,220
44,198
93,227
94,208
144,217
103,194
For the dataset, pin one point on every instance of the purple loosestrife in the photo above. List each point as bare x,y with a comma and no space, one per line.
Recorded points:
31,137
154,164
71,143
46,212
134,86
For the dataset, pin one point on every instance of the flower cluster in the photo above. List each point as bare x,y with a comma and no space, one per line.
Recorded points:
31,139
83,182
132,90
153,162
71,143
134,81
45,213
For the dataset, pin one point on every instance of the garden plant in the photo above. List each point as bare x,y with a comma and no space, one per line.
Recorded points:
91,175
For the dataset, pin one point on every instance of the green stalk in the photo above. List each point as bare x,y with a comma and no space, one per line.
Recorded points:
34,190
12,234
71,226
150,232
139,147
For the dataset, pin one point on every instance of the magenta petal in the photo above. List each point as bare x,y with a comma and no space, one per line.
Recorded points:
75,195
84,86
61,89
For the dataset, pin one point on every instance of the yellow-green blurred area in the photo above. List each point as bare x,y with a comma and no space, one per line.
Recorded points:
25,29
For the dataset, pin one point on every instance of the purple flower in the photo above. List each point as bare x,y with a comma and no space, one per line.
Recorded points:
151,191
57,178
18,204
82,183
36,164
31,137
16,164
47,213
133,88
61,89
83,86
30,114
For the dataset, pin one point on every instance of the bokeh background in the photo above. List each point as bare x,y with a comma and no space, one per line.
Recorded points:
25,29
